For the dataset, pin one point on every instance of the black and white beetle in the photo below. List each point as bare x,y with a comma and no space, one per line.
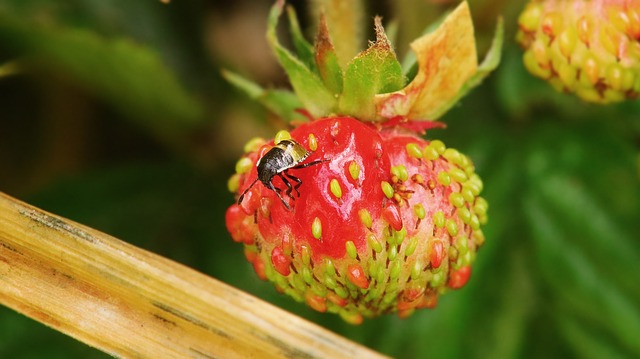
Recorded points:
285,155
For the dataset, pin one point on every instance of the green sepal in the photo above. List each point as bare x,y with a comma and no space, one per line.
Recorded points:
490,63
280,102
447,60
303,48
327,59
307,85
374,71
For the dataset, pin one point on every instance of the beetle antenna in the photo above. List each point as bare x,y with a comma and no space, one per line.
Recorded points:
246,190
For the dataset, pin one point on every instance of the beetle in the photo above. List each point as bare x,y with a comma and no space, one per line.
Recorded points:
284,156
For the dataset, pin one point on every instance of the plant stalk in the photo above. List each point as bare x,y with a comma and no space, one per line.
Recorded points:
129,302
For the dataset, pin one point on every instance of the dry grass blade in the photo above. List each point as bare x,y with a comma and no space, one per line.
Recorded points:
132,303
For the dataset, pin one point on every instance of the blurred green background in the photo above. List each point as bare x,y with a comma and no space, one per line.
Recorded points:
113,114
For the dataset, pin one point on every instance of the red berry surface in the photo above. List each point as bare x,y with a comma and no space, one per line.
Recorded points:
386,223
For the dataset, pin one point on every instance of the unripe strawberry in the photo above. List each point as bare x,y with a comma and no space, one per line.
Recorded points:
590,48
384,221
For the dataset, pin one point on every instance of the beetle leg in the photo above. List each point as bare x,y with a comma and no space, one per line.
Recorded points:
294,178
289,188
245,191
311,163
277,191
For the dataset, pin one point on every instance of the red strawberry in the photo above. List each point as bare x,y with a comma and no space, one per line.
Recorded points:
355,213
382,226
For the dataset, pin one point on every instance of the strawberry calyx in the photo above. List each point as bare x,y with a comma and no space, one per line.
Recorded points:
373,86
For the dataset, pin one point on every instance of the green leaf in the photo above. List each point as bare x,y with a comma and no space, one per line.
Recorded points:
505,330
374,71
252,89
601,237
327,59
303,48
492,59
282,103
587,178
587,342
130,76
315,97
581,208
576,281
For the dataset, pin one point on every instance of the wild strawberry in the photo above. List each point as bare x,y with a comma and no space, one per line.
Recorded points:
353,212
590,48
382,223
